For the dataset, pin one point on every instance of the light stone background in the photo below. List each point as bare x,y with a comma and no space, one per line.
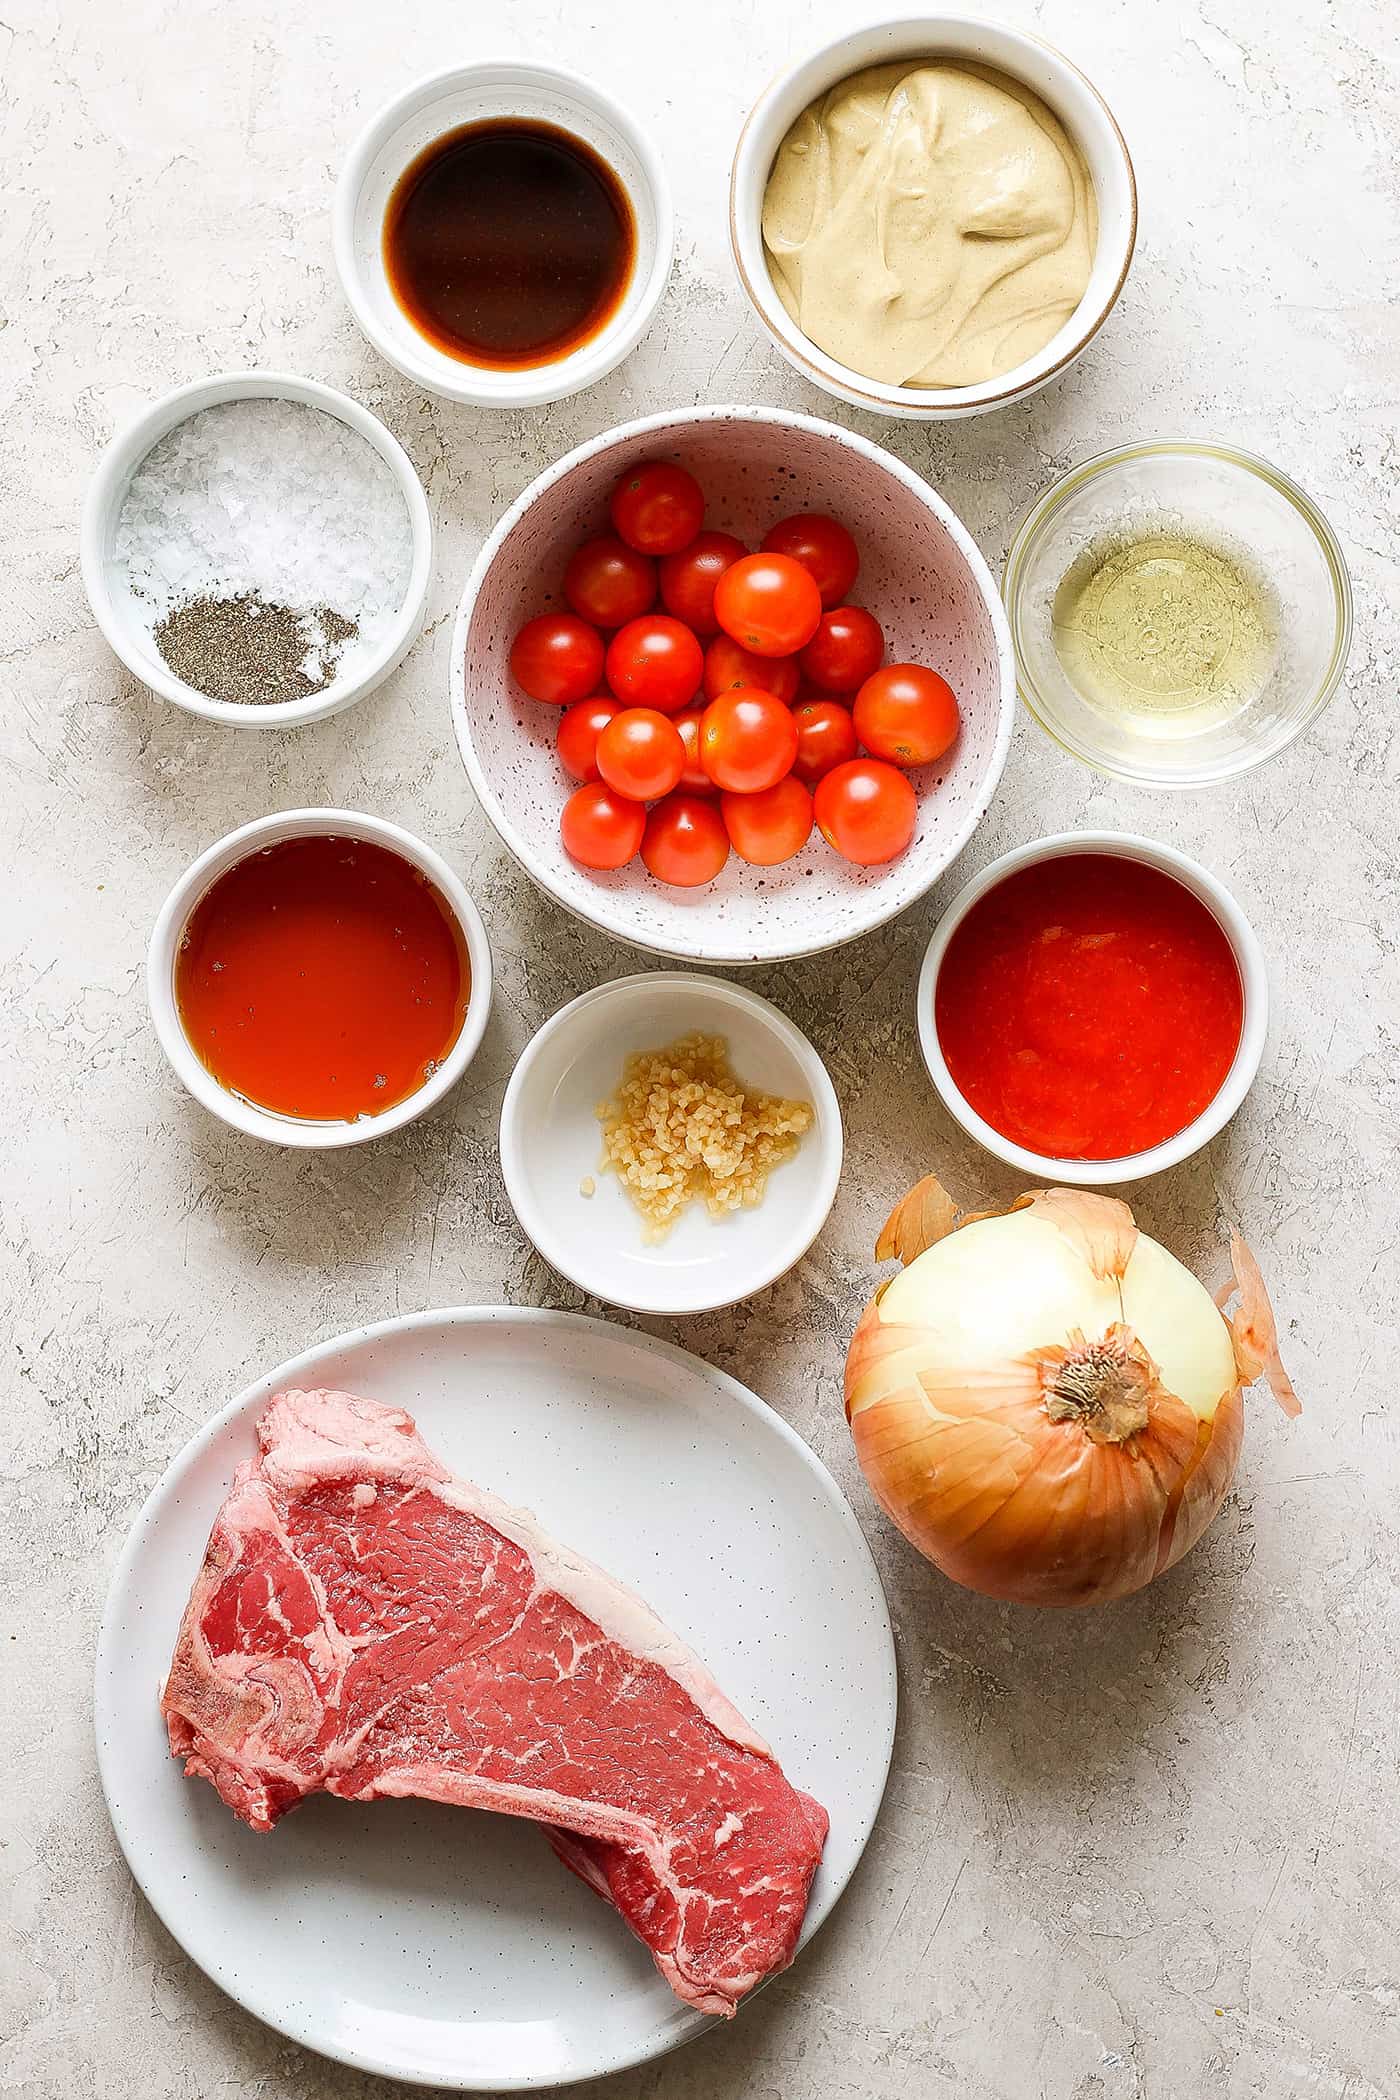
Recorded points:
1147,1852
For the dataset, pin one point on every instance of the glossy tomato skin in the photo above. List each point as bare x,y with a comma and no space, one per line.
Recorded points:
685,843
826,738
727,667
694,780
768,603
558,659
579,728
600,829
823,546
748,741
640,754
907,715
688,579
655,662
866,810
847,646
771,826
608,582
658,508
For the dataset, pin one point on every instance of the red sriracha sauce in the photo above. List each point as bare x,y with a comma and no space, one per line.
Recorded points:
1089,1007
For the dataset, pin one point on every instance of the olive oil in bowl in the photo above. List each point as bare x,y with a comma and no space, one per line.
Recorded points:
1180,610
1166,629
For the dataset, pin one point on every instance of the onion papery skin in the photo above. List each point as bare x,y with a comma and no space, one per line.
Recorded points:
1014,1505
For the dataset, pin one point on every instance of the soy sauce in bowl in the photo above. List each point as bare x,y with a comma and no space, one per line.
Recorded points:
509,243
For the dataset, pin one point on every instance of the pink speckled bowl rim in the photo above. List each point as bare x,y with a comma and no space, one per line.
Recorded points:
880,910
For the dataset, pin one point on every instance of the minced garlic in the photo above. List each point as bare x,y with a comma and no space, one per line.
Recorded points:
681,1125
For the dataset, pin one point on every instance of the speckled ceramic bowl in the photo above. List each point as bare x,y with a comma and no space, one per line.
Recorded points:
921,576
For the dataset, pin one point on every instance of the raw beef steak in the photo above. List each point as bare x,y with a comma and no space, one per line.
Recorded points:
367,1624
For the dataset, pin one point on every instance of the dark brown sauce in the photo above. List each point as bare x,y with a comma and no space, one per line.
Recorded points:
508,243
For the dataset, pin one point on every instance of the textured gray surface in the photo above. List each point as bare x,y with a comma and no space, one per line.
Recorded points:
1150,1852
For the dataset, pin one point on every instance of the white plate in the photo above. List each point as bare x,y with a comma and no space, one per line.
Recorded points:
440,1945
551,1142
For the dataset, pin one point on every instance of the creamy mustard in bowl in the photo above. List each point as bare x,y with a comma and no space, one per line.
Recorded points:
929,223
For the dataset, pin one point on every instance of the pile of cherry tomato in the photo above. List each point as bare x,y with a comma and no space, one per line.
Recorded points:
753,705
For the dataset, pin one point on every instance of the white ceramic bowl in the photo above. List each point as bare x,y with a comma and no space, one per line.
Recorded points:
165,942
921,576
442,102
551,1143
114,610
1026,58
1100,1173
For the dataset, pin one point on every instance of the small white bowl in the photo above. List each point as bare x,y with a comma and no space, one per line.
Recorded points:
1102,1173
392,141
551,1143
114,612
1079,106
174,915
921,576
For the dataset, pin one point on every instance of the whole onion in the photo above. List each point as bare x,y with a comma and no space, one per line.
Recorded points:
1045,1401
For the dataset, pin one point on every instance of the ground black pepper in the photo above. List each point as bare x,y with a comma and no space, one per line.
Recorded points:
251,652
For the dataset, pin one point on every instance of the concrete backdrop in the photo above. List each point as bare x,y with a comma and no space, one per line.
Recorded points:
1150,1852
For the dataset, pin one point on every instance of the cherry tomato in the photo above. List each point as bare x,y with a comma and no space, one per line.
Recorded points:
727,666
640,754
658,508
557,658
694,780
768,603
825,549
608,582
688,579
655,662
907,715
600,829
866,810
685,842
771,826
579,727
748,740
826,737
845,649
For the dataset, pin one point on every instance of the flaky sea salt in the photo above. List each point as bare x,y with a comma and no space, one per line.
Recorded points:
267,499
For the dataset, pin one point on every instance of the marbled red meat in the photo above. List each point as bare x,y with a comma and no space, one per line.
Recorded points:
366,1624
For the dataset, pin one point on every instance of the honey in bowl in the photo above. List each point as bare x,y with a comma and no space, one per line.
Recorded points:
1089,1007
322,978
509,243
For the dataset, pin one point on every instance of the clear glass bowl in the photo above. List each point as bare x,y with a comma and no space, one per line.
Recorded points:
1244,511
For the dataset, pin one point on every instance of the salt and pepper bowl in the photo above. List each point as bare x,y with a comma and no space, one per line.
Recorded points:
114,613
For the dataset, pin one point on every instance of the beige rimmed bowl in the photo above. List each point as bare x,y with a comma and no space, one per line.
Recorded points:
1073,98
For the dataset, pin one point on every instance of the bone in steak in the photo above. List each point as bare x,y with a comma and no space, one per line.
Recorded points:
367,1624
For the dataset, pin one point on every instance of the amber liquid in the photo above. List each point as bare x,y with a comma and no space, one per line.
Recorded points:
322,978
508,244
